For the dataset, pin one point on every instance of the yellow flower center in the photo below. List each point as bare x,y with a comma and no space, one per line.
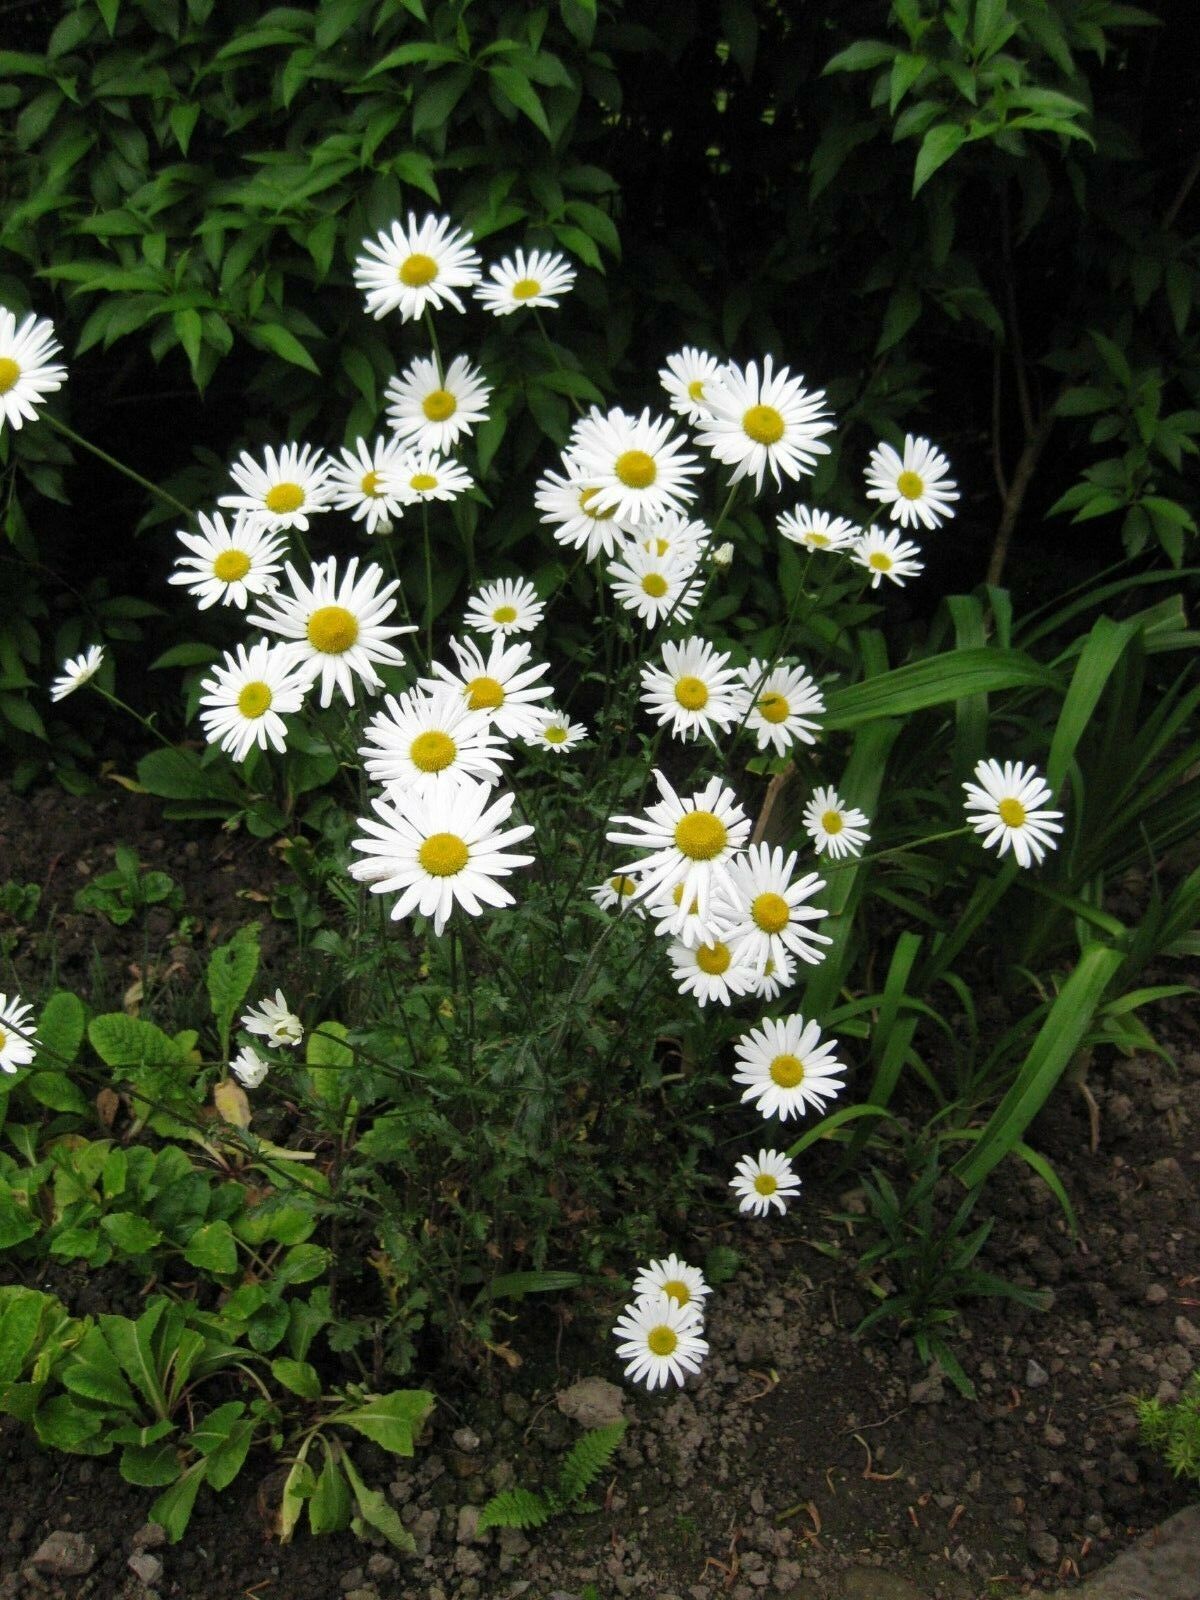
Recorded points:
636,469
661,1341
555,733
655,585
443,855
714,958
765,1183
832,822
1012,813
700,835
677,896
504,614
586,496
422,481
285,497
678,1290
254,699
622,886
770,911
526,289
370,483
484,694
763,424
417,270
787,1071
773,707
691,693
911,485
9,373
231,565
880,560
818,539
657,547
439,405
432,751
3,1038
332,630
696,389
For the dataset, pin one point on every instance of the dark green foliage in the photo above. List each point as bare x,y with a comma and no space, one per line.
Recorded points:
582,1465
1173,1428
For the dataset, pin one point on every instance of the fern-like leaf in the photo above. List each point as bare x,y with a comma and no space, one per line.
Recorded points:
515,1508
588,1458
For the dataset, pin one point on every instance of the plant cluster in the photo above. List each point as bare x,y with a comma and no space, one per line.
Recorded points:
1172,1427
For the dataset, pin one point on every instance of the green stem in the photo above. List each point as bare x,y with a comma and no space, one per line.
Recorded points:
895,850
146,722
428,580
437,349
118,466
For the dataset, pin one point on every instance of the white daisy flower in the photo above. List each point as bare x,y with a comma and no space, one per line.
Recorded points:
661,1341
282,491
785,702
367,483
618,892
248,697
424,475
27,371
275,1022
557,732
689,377
672,1276
691,842
694,690
638,466
769,423
886,555
77,671
1008,799
429,745
406,269
432,412
774,978
763,1181
340,628
834,826
786,1068
818,530
569,505
18,1044
434,855
915,487
228,565
766,913
510,605
674,534
540,278
502,685
249,1068
656,586
676,919
714,971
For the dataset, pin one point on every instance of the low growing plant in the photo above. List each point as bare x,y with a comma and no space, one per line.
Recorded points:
582,1465
1172,1427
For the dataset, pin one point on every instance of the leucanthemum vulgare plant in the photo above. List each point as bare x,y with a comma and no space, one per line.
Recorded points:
588,856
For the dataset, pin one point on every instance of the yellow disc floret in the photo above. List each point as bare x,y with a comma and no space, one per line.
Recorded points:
370,484
432,751
714,958
417,270
911,485
10,372
766,1183
422,482
763,424
525,289
332,630
880,560
284,498
700,835
231,565
443,855
678,1290
439,404
655,585
692,693
622,886
662,1340
832,822
636,469
696,389
555,733
485,694
586,496
1012,812
255,699
771,912
773,707
787,1071
504,614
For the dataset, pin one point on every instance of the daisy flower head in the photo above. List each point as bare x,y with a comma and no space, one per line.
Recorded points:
774,978
510,605
786,1068
1008,802
677,918
689,377
284,489
28,372
570,506
435,855
407,269
672,1276
767,912
772,422
674,534
661,1341
690,842
540,278
245,701
249,1068
77,671
557,732
501,684
656,586
763,1181
429,410
366,483
818,530
338,628
18,1046
638,466
618,892
429,745
713,971
915,487
694,690
833,826
275,1022
228,565
785,702
886,555
424,475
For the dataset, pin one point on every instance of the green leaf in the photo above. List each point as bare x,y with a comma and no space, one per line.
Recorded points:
298,1376
230,972
16,1225
861,56
938,145
212,1248
516,88
94,1373
179,775
331,1504
513,1285
123,1041
390,1420
173,1508
931,682
1105,646
60,1030
418,52
514,1508
150,1466
298,1487
279,341
588,1457
375,1511
302,1264
130,1233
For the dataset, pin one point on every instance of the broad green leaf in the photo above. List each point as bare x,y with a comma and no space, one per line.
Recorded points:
60,1030
861,56
375,1511
130,1233
228,977
212,1248
132,1343
938,145
298,1376
179,775
519,92
150,1466
512,1285
94,1373
272,336
931,682
331,1505
173,1508
391,1420
299,1486
124,1041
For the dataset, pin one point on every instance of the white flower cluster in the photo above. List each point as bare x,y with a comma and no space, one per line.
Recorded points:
275,1022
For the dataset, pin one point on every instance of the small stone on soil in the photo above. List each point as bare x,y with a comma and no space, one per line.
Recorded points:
146,1568
64,1555
592,1402
1036,1376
